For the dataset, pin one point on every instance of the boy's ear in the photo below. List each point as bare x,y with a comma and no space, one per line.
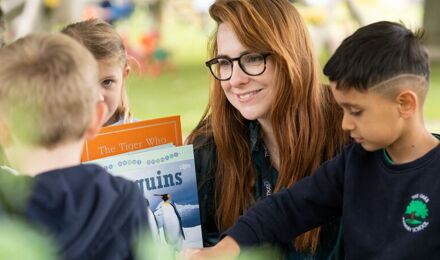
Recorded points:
127,70
408,102
97,120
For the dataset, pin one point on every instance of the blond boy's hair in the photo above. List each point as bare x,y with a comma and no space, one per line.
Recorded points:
48,89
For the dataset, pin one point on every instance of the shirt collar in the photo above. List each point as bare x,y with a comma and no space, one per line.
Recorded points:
255,134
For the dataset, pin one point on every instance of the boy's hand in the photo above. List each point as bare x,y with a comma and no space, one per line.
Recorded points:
226,249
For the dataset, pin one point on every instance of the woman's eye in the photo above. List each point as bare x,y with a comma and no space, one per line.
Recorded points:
253,58
107,83
224,63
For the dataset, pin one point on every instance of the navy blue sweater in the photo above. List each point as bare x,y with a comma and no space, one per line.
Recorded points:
89,213
389,211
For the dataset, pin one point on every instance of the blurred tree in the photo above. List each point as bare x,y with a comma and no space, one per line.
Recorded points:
2,27
431,23
26,16
156,10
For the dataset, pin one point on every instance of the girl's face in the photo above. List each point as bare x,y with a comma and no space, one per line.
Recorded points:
111,80
251,95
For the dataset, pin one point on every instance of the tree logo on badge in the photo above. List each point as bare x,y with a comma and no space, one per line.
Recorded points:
416,213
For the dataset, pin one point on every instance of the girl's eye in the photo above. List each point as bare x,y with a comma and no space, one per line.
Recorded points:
107,83
356,112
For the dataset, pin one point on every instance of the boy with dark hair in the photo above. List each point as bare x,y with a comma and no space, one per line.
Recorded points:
49,104
386,184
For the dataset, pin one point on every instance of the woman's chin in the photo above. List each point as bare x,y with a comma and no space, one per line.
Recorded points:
249,117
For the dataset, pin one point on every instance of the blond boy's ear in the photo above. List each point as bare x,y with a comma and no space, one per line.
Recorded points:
97,120
408,103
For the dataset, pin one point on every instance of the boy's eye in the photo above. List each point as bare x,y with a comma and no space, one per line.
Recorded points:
107,83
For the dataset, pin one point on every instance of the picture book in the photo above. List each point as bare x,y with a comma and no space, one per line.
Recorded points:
113,140
166,177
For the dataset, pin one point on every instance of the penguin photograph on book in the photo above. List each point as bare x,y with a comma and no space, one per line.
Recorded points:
169,222
167,179
152,223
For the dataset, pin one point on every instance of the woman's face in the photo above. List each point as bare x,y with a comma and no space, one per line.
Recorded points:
251,95
111,79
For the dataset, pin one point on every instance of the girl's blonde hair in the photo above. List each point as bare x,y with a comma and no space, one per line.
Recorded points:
305,118
101,39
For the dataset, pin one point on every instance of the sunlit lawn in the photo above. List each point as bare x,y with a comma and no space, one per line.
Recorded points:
432,105
182,92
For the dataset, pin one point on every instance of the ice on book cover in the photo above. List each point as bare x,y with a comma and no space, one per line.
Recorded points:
167,179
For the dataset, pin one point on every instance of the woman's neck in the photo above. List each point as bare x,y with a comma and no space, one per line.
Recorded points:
270,142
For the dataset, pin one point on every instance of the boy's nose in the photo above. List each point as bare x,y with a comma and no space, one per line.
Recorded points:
347,124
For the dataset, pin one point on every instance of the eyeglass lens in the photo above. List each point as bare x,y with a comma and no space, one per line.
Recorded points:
252,64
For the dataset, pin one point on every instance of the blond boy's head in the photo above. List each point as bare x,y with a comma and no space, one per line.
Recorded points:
48,90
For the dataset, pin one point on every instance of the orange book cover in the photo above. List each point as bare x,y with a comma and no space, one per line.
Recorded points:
113,140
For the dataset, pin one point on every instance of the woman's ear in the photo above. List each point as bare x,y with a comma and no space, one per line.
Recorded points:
97,120
408,103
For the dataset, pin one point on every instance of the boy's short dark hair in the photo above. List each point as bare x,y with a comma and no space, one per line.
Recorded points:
375,53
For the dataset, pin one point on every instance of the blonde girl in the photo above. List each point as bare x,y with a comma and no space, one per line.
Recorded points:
106,45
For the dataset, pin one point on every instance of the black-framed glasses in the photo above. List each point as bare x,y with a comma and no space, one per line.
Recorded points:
253,64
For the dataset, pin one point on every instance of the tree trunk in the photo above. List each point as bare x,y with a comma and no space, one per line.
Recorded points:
431,23
2,27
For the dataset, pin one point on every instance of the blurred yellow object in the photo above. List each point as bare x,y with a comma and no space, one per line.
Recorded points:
368,2
313,15
52,4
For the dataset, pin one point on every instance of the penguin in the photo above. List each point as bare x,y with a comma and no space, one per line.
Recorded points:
171,221
152,223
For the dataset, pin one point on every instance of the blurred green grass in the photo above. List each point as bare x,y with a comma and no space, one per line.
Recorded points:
183,92
432,105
